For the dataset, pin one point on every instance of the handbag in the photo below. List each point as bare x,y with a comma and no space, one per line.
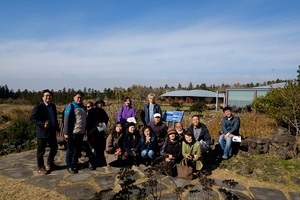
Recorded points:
184,171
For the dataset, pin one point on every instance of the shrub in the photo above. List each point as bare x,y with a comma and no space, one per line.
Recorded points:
20,130
197,107
176,105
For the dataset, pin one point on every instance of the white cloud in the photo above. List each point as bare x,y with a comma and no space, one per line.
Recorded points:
199,53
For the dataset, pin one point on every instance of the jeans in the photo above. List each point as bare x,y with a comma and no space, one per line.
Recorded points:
74,146
147,153
225,151
41,148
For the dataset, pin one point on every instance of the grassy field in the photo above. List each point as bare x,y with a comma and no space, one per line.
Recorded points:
251,124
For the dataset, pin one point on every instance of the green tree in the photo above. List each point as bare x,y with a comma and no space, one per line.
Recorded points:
176,105
298,76
190,87
282,104
198,107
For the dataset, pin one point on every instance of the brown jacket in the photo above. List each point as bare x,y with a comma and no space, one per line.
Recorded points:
113,142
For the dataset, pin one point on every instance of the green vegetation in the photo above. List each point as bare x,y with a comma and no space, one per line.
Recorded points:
266,168
198,107
282,104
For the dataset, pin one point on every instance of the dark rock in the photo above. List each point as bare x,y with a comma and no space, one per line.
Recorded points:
281,153
246,170
265,148
294,195
259,149
252,144
263,141
78,191
295,180
267,194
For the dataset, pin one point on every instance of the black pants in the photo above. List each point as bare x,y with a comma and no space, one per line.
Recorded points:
97,142
41,148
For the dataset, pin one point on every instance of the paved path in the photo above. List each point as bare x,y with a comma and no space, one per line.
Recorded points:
103,183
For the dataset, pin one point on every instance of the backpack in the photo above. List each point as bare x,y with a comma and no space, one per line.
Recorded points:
60,136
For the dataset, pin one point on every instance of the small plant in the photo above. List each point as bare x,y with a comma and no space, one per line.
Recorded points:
176,105
198,107
125,175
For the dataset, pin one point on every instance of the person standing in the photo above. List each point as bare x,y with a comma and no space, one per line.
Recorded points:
97,121
126,111
230,128
149,110
74,130
44,117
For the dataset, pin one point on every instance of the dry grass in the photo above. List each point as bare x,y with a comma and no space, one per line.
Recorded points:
12,189
252,124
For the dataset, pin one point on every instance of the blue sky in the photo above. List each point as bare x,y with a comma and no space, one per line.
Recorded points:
106,44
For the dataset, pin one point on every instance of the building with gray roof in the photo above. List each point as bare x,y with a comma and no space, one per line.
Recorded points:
190,96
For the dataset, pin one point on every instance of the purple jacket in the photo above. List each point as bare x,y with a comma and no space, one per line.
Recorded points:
125,112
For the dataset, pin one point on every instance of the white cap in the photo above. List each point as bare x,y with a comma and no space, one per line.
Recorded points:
157,115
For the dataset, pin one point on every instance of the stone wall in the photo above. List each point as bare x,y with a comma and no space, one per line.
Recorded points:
280,142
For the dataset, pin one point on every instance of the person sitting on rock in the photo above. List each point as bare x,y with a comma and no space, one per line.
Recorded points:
230,128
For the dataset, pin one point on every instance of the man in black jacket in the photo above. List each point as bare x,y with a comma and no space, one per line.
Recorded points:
200,133
150,109
44,116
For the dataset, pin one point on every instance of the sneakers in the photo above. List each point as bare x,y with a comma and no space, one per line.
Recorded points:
224,157
71,170
43,171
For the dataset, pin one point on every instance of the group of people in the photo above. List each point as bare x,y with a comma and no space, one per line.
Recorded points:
125,145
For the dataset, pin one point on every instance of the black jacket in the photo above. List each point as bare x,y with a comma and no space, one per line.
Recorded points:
39,116
204,134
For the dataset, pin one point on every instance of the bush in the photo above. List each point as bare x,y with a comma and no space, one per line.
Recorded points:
176,105
197,107
19,130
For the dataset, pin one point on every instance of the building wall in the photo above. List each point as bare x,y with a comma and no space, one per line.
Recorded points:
243,97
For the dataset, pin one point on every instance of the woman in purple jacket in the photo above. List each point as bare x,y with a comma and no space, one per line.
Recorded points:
126,111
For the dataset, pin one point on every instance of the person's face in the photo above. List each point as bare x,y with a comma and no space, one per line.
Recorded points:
188,138
131,129
99,105
118,128
147,132
127,103
227,113
78,99
88,106
178,127
195,121
152,99
172,136
156,120
47,97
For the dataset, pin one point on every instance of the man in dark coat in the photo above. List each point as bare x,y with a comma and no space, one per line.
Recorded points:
200,133
150,109
44,116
